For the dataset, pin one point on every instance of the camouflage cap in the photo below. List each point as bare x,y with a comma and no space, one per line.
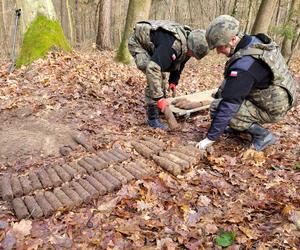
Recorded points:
196,42
221,30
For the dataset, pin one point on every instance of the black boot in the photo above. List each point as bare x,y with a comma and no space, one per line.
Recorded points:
153,117
261,138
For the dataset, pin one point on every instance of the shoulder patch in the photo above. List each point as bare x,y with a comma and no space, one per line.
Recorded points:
233,73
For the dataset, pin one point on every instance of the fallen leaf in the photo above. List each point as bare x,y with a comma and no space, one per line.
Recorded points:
22,228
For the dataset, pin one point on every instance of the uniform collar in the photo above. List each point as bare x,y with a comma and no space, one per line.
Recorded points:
245,41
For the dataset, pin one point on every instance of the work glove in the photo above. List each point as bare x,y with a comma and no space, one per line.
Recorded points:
204,144
162,104
172,87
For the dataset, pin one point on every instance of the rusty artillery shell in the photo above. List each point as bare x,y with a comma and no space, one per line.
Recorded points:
111,156
181,162
192,151
116,183
143,150
35,182
191,160
124,172
85,195
7,192
151,145
131,167
145,168
80,139
110,186
34,209
26,184
80,170
168,165
173,124
104,157
44,178
96,184
43,203
20,208
117,175
71,171
89,188
53,200
56,181
63,174
123,152
98,165
155,141
63,198
118,155
89,168
16,186
72,194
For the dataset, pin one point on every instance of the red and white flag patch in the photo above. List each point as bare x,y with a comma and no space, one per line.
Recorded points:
233,73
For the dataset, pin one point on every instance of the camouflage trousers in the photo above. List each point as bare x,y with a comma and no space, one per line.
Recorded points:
156,79
262,106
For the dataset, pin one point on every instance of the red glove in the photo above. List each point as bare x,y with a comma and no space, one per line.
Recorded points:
161,104
172,87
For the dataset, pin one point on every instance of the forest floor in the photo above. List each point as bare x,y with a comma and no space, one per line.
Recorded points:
255,196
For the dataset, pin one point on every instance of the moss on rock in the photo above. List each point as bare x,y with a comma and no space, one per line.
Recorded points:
42,35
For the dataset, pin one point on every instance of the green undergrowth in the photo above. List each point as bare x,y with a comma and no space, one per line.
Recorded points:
42,36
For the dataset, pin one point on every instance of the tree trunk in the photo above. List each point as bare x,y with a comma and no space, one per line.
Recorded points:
249,17
103,40
40,30
77,24
137,10
291,24
264,16
70,21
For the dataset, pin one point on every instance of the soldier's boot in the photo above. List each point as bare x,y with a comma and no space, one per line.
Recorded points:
261,138
153,117
229,130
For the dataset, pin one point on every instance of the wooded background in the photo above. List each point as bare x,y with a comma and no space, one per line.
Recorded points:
81,25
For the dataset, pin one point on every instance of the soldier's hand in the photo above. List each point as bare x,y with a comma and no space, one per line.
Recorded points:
161,104
204,144
172,87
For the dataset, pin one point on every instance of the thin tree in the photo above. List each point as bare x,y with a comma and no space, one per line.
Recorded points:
41,31
103,39
264,16
137,10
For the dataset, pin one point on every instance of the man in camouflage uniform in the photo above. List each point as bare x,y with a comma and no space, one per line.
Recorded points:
258,87
163,46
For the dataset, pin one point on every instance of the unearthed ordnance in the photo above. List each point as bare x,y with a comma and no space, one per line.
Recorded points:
124,172
62,173
111,156
171,118
80,170
188,158
117,175
7,192
35,182
20,208
26,184
89,168
44,178
122,152
71,171
142,149
104,157
97,164
34,209
155,141
145,167
132,168
53,200
85,195
106,183
168,165
63,198
80,139
192,151
16,186
72,194
43,203
116,183
96,184
89,188
56,181
151,145
118,155
183,163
